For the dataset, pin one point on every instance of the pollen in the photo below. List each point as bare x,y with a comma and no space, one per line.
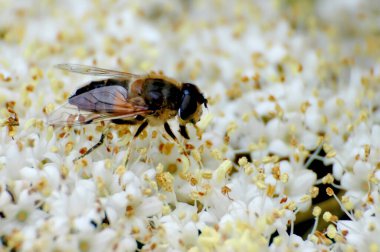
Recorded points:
196,155
172,168
64,171
328,179
42,186
270,191
232,126
244,78
209,238
223,170
243,161
314,192
129,211
166,148
217,154
305,198
36,73
83,150
22,216
156,192
329,191
84,246
317,211
276,172
69,147
327,216
331,231
165,181
305,106
166,210
193,181
206,174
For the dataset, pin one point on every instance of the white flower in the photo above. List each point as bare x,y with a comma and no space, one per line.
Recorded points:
298,186
183,215
276,94
294,243
356,182
362,234
21,210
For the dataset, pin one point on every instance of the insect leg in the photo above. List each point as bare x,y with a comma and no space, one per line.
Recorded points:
100,142
125,122
183,131
169,131
140,129
171,134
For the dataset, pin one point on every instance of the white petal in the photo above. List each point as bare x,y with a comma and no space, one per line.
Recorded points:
150,207
190,234
279,148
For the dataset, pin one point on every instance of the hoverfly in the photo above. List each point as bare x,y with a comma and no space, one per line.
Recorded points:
125,98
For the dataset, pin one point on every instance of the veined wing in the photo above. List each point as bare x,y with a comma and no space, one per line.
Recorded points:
96,71
70,115
99,104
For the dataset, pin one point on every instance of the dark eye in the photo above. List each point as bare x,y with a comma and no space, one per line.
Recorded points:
188,106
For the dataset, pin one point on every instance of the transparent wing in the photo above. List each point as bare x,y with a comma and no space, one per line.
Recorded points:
70,115
96,71
99,104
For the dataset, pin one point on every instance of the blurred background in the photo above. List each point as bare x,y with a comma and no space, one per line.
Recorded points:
238,52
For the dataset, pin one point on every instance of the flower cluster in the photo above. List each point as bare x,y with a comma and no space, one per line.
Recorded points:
291,133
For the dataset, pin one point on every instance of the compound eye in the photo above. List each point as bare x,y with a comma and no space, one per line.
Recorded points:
188,107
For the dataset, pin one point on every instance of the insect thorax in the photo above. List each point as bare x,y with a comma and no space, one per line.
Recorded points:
161,94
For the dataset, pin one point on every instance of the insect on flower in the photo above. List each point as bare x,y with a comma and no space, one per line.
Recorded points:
125,98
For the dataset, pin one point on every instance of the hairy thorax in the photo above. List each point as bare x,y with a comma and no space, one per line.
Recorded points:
160,117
